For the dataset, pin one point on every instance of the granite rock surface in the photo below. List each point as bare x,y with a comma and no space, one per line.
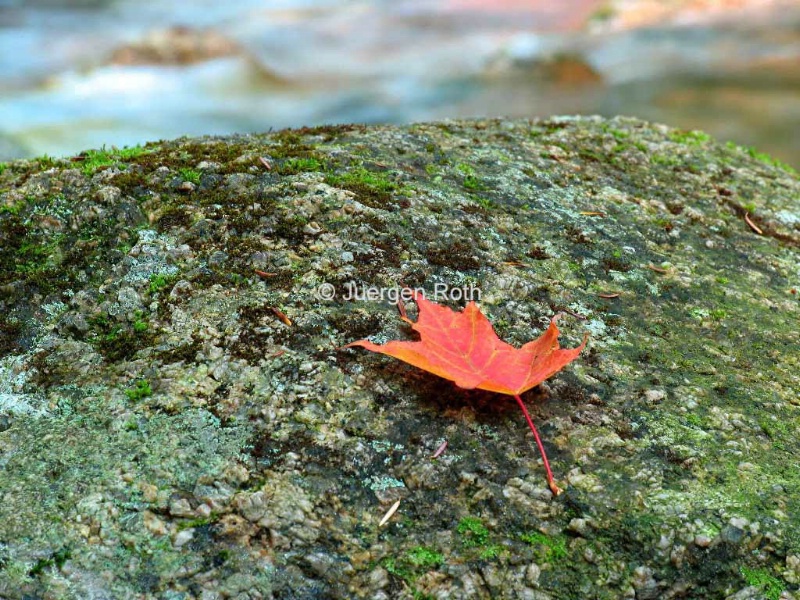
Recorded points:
177,419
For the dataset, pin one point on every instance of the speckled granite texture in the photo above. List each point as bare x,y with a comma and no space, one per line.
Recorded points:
175,425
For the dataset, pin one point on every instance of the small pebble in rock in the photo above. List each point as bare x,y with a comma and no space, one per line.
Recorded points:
153,524
312,228
218,258
655,395
532,573
183,537
181,508
739,522
180,289
703,541
579,526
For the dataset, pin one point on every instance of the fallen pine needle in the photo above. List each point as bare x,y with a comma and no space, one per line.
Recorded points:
281,315
440,450
609,296
753,226
389,513
574,314
592,213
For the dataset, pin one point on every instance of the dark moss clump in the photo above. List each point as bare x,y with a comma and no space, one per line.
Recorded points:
57,560
48,248
205,277
617,261
537,253
354,325
392,244
291,145
577,235
459,256
291,227
186,352
174,217
10,333
253,341
119,341
330,132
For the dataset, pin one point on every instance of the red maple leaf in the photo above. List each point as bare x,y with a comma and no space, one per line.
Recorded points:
463,347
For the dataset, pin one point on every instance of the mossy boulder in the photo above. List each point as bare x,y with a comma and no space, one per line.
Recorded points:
178,419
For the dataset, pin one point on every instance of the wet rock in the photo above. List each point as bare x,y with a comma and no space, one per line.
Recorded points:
175,45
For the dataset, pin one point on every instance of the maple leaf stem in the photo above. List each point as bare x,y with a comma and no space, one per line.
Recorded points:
550,482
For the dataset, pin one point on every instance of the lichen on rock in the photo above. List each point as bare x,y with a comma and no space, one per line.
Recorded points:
177,418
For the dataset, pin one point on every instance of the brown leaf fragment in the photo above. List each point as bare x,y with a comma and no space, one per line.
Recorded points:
609,296
657,269
440,450
265,162
281,316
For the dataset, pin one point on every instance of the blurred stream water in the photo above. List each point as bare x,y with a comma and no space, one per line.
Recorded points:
81,74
